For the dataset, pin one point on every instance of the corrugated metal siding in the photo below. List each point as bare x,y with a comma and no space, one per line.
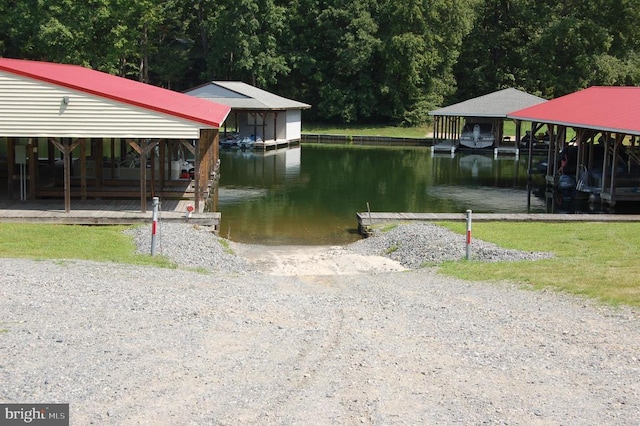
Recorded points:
30,108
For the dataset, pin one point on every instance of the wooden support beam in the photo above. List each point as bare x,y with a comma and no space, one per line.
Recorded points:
189,146
51,158
529,167
11,161
617,144
32,153
275,125
143,150
66,148
165,166
83,169
97,149
206,151
112,164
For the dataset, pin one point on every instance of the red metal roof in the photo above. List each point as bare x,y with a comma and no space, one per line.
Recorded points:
120,89
614,109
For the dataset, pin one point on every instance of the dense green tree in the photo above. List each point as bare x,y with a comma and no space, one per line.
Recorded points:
346,60
493,53
362,60
300,44
420,44
245,33
549,48
332,49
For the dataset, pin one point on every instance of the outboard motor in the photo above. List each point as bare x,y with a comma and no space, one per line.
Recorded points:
476,133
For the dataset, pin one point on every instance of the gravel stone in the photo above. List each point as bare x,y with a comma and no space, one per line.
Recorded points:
414,245
190,246
126,344
419,244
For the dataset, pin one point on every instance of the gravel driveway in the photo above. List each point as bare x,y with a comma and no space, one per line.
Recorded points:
135,345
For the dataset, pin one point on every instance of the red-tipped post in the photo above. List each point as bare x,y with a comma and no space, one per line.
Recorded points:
468,234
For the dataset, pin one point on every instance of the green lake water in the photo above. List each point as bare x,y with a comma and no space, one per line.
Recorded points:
310,194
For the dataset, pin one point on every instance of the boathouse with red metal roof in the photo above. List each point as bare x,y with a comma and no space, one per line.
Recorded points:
605,149
82,133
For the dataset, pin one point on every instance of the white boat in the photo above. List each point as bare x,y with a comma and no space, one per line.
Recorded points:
247,142
477,135
230,141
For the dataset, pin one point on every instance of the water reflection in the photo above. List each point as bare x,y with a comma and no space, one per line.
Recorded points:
310,195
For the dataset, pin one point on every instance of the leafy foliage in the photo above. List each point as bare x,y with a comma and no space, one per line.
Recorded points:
549,48
363,61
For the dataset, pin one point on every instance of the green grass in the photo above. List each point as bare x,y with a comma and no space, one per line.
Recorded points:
388,227
367,130
392,249
597,260
99,243
226,247
402,132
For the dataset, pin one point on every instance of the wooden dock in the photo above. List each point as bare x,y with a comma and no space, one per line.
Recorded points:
366,219
102,212
448,146
275,144
506,150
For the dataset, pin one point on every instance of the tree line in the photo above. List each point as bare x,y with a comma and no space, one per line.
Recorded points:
385,61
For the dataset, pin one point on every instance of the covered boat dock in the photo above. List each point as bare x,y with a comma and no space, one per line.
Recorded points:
492,108
258,120
72,133
594,149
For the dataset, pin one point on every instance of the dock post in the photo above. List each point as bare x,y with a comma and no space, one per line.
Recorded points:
468,234
154,225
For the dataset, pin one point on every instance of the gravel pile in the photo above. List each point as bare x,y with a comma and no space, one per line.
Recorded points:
133,345
419,244
413,245
189,246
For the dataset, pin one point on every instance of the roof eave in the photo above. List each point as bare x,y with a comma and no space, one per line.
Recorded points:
209,123
576,125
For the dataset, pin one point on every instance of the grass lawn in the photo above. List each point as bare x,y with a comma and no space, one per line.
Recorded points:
367,130
400,132
99,243
597,260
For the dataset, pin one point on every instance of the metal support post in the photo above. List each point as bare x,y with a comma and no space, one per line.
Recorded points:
468,234
154,226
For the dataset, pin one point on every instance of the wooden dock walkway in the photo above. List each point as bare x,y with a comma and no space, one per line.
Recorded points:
367,219
512,151
275,145
449,146
101,212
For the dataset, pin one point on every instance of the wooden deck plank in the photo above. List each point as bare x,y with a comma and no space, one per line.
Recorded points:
448,145
375,218
101,212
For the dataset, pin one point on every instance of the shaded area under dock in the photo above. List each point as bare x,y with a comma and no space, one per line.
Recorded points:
102,212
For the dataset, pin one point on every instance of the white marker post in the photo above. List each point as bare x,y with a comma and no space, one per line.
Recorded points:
154,226
468,234
187,215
